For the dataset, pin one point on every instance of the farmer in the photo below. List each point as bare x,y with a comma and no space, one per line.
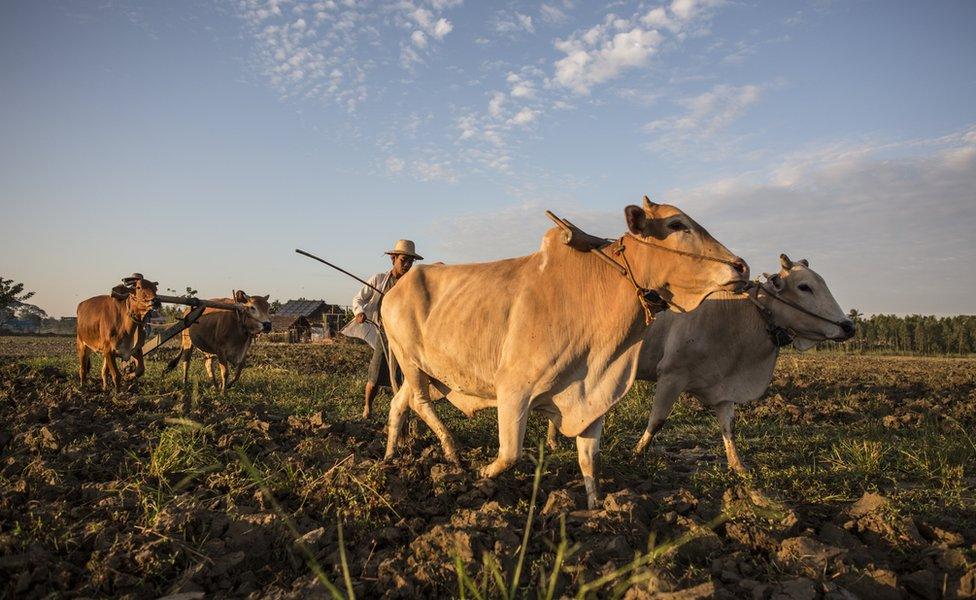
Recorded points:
366,308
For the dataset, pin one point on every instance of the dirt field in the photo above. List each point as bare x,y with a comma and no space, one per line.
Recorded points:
864,475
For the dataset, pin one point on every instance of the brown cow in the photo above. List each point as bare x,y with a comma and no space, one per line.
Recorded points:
115,326
225,335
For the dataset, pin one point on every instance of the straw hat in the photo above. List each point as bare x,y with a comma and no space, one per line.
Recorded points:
405,247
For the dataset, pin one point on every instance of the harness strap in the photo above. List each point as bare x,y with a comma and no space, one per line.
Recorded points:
780,336
681,252
649,300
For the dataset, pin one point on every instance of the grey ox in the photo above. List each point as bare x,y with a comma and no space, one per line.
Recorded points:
557,331
224,336
724,352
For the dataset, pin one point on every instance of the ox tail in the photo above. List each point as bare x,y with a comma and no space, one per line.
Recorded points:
183,354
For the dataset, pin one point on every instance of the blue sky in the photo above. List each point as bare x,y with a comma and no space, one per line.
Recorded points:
201,143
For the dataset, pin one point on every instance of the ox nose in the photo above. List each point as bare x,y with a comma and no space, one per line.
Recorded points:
266,326
848,328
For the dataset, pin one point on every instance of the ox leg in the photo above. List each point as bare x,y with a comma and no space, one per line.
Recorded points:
394,426
665,395
84,362
422,404
588,448
551,437
513,412
140,364
112,369
725,413
185,355
208,366
237,373
224,375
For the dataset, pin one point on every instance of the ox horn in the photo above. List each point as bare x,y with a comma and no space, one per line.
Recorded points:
648,204
804,262
785,262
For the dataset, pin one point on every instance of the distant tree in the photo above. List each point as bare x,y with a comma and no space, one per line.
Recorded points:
275,305
13,305
12,294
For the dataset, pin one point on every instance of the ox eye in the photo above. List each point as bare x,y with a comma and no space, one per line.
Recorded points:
805,288
677,226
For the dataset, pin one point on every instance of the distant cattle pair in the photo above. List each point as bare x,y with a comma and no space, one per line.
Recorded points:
561,332
115,325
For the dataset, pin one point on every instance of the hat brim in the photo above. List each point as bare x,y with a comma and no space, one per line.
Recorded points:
395,253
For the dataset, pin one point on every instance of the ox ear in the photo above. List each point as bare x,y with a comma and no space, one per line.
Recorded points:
785,262
266,298
636,219
121,292
648,204
240,296
775,281
804,262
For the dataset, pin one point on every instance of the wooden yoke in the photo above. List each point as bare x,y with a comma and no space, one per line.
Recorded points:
577,239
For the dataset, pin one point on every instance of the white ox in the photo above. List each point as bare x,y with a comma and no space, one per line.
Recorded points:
557,331
724,353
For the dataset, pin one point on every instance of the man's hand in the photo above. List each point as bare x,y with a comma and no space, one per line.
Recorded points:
361,318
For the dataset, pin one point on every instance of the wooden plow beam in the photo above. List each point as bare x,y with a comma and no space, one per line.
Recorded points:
199,306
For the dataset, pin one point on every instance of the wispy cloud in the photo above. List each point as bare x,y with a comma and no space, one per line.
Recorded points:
702,118
310,49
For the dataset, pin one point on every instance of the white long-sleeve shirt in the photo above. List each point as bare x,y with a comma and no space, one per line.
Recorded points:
367,302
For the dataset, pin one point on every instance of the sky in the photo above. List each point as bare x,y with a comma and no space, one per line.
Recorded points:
201,143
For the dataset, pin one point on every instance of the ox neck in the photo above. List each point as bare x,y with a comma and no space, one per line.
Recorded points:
610,296
778,335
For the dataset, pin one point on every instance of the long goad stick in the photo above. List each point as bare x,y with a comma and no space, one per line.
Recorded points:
341,270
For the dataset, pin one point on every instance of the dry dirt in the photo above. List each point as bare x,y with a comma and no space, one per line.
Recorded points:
124,495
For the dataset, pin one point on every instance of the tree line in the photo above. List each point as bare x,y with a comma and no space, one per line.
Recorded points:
913,334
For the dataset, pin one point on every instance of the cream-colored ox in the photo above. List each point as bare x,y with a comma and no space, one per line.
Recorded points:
224,336
115,326
557,331
724,352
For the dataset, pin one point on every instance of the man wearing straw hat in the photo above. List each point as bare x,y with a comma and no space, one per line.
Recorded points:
365,307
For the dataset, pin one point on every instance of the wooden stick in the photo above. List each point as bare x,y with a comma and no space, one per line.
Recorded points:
577,238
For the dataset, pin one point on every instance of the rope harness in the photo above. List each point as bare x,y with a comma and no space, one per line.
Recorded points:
780,336
650,301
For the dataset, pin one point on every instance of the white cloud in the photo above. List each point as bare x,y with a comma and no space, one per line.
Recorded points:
704,116
442,28
602,52
513,24
495,104
551,13
300,45
524,116
395,165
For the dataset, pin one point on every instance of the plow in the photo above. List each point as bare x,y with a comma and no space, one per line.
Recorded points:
199,306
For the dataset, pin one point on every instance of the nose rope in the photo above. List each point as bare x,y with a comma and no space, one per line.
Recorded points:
756,284
731,263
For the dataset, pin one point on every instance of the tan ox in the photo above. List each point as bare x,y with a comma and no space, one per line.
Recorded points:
724,352
557,331
224,335
115,326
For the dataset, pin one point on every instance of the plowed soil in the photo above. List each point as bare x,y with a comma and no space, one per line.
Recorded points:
864,471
